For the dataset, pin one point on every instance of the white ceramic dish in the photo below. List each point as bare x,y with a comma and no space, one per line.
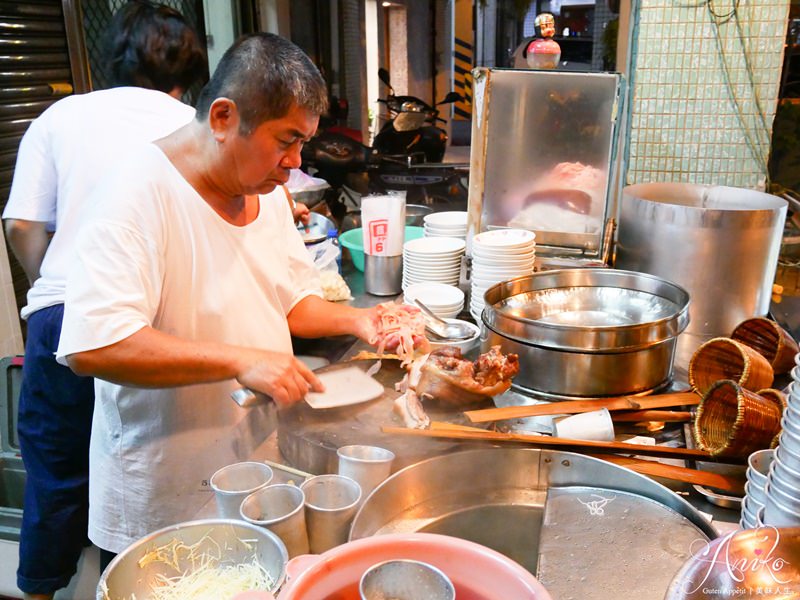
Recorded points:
448,219
435,294
433,246
504,238
344,387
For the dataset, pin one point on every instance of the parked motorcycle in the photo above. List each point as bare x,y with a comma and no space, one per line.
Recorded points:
412,126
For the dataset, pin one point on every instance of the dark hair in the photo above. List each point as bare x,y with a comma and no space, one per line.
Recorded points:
265,75
152,46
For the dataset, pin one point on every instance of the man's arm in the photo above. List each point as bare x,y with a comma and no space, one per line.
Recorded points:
28,241
150,358
314,317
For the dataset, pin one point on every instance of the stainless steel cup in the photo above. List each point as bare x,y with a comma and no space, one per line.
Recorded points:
369,466
331,503
383,275
755,494
233,483
405,580
280,508
758,466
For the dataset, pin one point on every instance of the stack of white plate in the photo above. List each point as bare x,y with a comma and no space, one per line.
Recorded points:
445,301
782,503
498,255
446,224
432,259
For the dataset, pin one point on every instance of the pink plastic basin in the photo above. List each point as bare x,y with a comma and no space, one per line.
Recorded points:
477,572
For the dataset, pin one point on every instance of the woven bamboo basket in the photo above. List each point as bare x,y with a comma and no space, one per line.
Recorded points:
724,358
770,340
734,421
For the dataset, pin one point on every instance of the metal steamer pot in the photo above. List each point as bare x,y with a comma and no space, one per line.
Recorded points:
587,332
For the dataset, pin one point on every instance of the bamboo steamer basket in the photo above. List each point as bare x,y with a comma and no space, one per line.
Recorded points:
770,340
724,358
734,421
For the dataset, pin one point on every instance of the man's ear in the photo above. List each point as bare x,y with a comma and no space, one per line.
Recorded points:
223,117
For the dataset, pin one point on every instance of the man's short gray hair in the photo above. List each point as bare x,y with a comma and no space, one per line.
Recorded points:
265,75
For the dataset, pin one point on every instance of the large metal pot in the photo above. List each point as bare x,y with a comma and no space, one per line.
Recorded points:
720,243
587,332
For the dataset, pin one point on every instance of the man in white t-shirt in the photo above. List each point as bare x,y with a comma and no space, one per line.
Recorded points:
153,57
189,285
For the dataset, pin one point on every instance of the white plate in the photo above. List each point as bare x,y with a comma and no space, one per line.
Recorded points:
454,219
501,253
344,387
435,294
504,238
432,246
505,261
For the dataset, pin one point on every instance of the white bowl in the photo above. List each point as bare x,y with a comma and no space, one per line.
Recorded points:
455,219
504,238
434,246
435,294
464,345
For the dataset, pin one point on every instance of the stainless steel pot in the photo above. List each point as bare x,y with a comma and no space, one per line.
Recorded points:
720,243
587,332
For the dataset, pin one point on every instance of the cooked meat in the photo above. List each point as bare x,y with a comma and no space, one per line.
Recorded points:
409,408
450,379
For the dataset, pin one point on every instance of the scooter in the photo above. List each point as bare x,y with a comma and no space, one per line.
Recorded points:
412,126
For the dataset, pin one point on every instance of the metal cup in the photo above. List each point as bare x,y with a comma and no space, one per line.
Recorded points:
232,484
331,503
405,580
755,494
758,466
383,275
279,508
369,466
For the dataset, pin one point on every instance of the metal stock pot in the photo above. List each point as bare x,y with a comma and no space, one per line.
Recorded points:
587,332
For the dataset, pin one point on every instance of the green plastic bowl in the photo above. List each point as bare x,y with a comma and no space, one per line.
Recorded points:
353,240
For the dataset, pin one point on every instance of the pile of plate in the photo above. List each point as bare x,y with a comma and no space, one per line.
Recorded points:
498,255
782,504
758,464
432,259
446,224
445,301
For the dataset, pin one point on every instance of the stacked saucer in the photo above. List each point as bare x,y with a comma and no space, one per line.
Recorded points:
435,260
446,224
782,503
445,301
498,255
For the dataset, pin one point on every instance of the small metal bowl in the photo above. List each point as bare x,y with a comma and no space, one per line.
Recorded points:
235,540
415,214
317,228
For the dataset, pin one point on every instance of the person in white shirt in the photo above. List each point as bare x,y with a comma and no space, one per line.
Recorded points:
154,56
189,285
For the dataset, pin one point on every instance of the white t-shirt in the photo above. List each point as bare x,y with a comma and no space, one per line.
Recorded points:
159,255
63,155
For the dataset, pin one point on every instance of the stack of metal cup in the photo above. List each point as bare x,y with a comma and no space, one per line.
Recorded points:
758,465
782,505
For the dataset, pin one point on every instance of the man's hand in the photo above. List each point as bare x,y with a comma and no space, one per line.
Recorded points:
301,214
281,376
370,329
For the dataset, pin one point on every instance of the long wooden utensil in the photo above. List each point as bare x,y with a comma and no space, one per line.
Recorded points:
664,416
581,406
645,467
565,443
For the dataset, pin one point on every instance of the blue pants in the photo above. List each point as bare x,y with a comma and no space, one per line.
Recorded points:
55,422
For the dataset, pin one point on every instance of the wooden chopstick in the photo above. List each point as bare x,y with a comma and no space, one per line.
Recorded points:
567,444
581,406
693,476
665,416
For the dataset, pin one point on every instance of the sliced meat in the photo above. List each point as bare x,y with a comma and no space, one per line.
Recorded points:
409,408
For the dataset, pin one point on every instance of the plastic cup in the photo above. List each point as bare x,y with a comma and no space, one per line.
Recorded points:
368,466
232,484
331,503
595,425
280,508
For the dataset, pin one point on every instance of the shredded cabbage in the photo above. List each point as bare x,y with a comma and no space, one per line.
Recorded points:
200,576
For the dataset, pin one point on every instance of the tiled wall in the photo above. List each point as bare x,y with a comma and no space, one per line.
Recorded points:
689,121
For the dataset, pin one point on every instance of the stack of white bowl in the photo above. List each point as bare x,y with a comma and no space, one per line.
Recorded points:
445,301
758,464
446,224
498,255
782,505
432,259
